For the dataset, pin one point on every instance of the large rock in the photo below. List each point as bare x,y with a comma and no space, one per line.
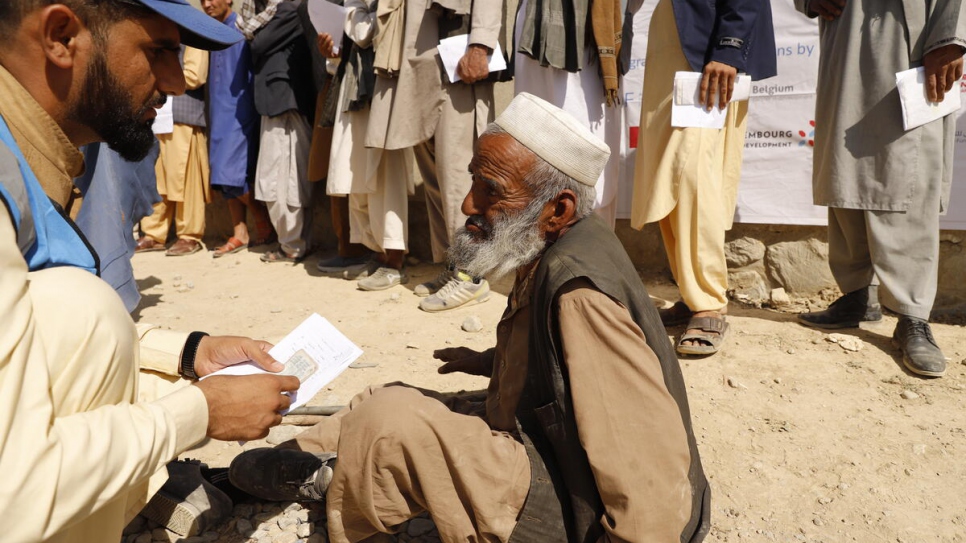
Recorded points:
748,287
744,251
800,267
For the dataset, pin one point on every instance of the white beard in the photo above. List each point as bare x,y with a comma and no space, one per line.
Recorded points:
514,241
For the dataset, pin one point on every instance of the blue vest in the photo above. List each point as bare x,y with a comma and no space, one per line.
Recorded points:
46,236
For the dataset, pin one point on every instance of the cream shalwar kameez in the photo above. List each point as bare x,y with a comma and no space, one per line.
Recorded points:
377,182
686,179
440,120
85,435
182,169
885,188
403,451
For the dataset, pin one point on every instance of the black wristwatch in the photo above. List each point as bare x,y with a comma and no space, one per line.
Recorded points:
187,367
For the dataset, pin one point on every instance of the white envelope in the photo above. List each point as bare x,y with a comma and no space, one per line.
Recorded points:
916,109
164,122
451,50
328,18
687,111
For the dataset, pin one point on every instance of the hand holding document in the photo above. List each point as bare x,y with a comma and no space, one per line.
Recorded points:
328,18
687,110
916,109
451,50
315,352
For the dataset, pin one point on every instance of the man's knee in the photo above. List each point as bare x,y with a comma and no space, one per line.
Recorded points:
393,415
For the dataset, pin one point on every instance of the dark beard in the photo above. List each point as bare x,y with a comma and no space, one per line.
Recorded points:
105,107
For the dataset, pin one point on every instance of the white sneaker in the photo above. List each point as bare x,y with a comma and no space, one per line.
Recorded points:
383,278
459,291
431,287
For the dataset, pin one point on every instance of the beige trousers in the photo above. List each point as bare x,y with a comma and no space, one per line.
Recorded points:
281,177
93,364
444,160
686,178
403,451
380,219
182,170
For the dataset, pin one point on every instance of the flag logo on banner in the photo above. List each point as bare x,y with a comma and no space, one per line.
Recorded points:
809,137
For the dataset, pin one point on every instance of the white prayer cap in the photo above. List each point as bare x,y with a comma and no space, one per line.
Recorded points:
553,135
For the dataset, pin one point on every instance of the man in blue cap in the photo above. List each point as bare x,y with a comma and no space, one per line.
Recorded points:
85,436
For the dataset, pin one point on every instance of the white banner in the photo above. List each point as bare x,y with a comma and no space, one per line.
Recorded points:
776,177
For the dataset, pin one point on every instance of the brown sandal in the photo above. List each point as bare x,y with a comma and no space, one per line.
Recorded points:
712,334
233,245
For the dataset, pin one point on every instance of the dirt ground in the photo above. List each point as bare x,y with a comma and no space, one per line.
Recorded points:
802,439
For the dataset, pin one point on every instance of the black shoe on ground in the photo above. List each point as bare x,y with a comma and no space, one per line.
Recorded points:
846,312
920,354
187,504
282,474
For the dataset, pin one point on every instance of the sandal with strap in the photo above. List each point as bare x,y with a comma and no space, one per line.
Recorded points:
712,334
278,255
233,245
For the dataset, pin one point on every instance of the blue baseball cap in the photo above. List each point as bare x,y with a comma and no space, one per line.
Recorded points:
198,30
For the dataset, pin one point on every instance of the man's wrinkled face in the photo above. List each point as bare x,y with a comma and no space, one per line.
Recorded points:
131,70
218,9
503,229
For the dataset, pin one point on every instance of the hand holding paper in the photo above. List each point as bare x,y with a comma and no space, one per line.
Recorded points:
328,18
687,110
917,110
452,50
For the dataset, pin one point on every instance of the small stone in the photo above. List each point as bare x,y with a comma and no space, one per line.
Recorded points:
244,527
472,324
817,521
779,297
412,346
285,523
843,486
190,284
301,515
734,383
919,449
908,395
182,289
281,434
266,516
790,351
177,277
233,296
778,380
304,530
849,343
243,510
825,500
361,365
285,537
276,310
394,296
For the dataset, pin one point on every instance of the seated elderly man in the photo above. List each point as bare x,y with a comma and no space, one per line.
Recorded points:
584,434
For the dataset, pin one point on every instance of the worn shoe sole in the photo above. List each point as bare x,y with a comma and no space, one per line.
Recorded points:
912,367
840,324
175,515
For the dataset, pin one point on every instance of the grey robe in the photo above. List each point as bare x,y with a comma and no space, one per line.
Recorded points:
863,157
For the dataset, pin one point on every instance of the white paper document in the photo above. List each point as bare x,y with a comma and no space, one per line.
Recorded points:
687,111
328,18
451,50
164,122
916,109
315,352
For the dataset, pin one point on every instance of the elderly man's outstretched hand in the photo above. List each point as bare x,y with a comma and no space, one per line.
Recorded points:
944,67
219,352
465,360
244,407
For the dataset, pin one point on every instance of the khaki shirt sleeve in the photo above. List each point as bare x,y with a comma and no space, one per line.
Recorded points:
628,423
486,22
58,468
160,349
195,67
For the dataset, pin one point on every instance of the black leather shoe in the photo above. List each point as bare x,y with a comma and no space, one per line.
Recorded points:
847,312
920,353
282,474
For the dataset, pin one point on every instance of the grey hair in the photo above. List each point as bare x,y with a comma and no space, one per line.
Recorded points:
547,181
